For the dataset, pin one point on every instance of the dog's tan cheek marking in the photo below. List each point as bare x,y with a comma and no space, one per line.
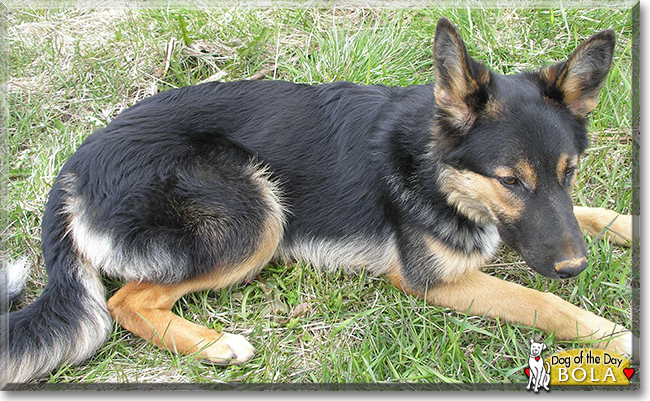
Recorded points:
457,188
482,199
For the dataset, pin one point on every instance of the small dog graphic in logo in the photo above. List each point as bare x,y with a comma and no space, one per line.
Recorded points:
538,374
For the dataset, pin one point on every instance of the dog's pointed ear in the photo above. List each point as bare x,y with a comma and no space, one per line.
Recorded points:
460,81
577,81
532,341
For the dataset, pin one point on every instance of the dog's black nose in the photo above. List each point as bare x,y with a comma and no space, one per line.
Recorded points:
570,268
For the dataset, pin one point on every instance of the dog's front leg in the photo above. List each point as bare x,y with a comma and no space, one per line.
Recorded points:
531,377
481,294
599,221
538,379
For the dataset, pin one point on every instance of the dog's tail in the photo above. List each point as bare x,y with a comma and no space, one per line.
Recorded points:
12,281
68,322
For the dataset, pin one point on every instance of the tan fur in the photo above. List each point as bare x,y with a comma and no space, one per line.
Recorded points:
452,263
451,96
564,162
549,74
494,108
456,107
570,81
145,310
462,83
477,293
522,171
578,103
613,226
482,199
527,174
483,77
571,86
567,264
504,172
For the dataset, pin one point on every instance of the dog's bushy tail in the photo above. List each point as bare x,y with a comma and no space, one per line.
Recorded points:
12,281
67,323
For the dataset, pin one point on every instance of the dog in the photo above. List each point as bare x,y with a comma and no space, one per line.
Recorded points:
200,187
539,374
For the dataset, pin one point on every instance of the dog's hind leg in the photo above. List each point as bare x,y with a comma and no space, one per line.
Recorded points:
216,224
547,375
597,221
481,294
145,310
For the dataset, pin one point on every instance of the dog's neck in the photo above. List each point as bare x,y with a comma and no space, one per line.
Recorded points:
419,200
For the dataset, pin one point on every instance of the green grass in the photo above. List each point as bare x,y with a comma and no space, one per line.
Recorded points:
74,70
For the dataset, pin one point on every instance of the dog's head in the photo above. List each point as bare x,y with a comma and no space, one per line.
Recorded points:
536,348
510,145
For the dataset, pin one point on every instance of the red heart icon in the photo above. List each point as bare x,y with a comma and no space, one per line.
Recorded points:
527,371
537,358
628,372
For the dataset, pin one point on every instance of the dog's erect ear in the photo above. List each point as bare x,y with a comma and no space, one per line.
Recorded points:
532,341
460,81
577,81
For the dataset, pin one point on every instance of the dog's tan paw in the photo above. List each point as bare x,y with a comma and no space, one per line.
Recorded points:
229,349
620,343
601,333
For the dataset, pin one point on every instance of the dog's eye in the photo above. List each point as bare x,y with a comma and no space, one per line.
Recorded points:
508,181
570,170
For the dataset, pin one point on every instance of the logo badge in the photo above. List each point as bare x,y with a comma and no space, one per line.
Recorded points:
590,367
576,367
538,370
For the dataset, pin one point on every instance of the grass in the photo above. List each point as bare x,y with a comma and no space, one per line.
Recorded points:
72,70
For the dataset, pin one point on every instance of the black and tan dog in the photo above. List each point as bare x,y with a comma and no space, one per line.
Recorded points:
200,187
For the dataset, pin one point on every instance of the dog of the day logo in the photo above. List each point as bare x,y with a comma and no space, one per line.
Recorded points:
538,370
577,367
592,367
